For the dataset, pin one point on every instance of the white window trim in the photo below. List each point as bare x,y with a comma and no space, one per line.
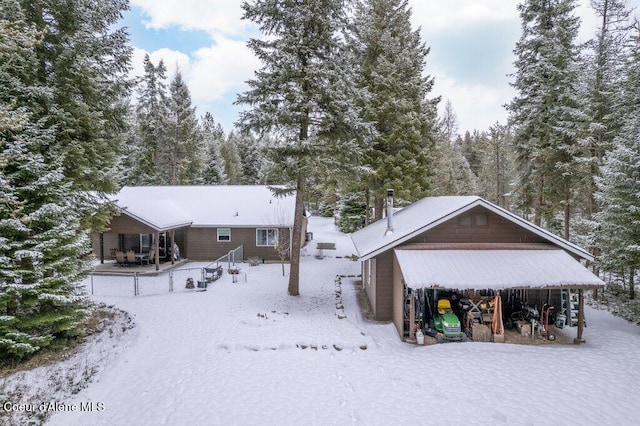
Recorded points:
218,235
267,230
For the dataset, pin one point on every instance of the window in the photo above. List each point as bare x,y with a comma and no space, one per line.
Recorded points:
481,220
224,234
266,237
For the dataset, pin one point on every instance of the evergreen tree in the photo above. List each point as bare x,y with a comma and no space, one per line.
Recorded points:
352,213
152,121
301,95
468,147
251,158
232,161
497,176
448,124
601,76
390,62
213,136
42,245
545,113
618,195
185,146
451,172
84,60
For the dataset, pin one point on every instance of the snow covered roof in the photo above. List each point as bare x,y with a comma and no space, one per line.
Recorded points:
234,206
493,269
430,212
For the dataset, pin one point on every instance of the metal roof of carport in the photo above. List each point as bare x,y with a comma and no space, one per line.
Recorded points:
493,269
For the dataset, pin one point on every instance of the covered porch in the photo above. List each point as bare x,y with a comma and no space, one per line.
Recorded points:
148,244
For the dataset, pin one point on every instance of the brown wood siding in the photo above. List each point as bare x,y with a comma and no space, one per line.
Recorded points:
203,244
124,224
384,286
398,298
497,230
110,241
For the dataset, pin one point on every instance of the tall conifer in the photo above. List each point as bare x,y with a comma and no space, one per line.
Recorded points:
302,93
546,112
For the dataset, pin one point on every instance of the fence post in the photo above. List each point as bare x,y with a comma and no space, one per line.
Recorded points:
92,284
229,258
135,284
170,281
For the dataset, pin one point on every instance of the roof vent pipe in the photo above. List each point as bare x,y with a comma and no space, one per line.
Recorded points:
389,212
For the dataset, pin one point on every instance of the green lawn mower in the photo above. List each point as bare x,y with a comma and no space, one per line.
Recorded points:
446,325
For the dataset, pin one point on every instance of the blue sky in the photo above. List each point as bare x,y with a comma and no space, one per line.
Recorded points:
471,43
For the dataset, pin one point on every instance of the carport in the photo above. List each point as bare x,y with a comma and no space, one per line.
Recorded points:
546,273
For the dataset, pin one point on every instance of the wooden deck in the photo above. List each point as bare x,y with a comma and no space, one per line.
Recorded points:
112,268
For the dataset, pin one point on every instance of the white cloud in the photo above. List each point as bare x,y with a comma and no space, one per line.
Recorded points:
450,15
214,16
476,106
221,69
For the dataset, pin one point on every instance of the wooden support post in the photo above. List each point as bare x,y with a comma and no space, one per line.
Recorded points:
101,247
156,246
412,318
579,338
173,238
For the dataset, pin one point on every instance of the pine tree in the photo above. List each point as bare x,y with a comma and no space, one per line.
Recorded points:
232,161
302,94
618,195
390,61
184,148
251,158
84,60
601,77
545,113
448,123
352,212
152,121
42,245
468,147
451,172
213,136
497,176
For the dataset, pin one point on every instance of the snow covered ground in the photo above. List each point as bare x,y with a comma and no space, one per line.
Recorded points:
246,353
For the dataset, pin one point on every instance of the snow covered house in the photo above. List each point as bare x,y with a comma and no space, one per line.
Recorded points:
462,243
206,222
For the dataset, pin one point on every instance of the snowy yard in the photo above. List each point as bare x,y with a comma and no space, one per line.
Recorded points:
246,353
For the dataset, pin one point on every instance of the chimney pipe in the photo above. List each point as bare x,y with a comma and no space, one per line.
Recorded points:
389,212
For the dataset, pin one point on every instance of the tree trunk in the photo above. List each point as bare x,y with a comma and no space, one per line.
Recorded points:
632,285
538,202
567,212
579,338
294,269
367,208
379,207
